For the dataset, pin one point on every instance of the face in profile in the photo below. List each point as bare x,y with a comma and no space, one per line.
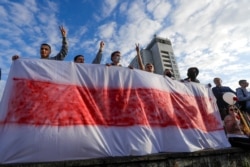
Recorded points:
149,67
244,84
45,51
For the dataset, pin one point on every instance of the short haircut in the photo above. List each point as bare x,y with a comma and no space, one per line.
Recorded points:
195,68
76,57
112,54
45,44
150,64
242,81
217,78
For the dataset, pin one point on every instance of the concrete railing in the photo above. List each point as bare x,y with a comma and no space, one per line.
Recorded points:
230,157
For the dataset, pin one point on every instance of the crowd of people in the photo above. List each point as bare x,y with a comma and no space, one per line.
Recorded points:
235,117
45,51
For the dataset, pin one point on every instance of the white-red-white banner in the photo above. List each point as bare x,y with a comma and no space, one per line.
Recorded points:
57,111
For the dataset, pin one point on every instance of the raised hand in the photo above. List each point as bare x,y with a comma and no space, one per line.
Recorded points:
102,45
137,47
63,31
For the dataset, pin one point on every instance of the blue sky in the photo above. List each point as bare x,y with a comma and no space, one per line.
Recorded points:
213,35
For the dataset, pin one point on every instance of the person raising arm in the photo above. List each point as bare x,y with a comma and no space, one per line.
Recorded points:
45,49
149,66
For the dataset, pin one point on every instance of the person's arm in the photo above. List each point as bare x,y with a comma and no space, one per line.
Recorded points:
98,57
241,96
141,65
230,90
64,50
231,125
215,92
228,124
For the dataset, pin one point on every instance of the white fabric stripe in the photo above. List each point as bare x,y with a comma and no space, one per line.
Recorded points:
99,76
22,143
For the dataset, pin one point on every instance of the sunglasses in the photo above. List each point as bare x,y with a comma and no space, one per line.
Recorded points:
233,109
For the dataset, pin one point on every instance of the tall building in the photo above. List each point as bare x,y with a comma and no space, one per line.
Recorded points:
160,53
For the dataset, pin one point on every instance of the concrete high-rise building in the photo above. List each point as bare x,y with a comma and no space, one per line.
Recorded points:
160,53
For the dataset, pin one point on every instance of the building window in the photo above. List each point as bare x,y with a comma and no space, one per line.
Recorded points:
164,56
166,52
167,61
168,66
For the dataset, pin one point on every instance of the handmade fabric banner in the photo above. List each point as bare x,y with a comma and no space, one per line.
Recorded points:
58,111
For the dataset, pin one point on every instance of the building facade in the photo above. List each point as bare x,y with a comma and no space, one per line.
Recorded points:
160,53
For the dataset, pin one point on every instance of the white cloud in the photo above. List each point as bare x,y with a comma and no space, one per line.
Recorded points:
123,7
31,5
21,15
135,12
108,7
107,30
3,13
159,9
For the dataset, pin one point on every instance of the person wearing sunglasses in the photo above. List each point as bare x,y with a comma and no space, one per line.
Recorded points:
235,130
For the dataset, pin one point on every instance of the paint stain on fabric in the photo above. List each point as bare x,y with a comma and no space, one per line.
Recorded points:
44,103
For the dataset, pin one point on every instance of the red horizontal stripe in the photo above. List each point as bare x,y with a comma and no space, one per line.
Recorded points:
44,103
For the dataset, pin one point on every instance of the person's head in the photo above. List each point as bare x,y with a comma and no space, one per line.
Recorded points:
79,59
232,110
192,73
115,57
243,83
217,81
45,50
168,73
149,67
